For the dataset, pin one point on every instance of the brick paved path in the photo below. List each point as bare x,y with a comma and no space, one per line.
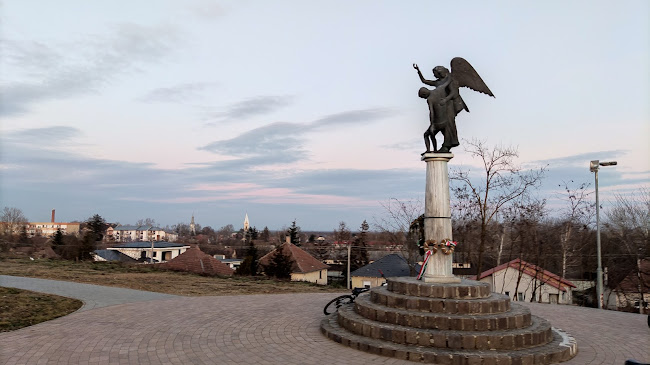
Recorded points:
263,329
93,296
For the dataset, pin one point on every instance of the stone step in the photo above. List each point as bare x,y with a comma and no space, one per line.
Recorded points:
518,317
561,348
538,333
466,289
495,303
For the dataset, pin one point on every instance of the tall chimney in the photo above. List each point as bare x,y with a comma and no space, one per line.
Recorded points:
53,215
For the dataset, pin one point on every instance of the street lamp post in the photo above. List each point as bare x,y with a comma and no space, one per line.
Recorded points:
593,167
152,240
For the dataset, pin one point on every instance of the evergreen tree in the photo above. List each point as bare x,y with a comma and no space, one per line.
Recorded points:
24,237
250,263
97,225
87,246
57,240
293,233
254,233
280,265
266,234
359,256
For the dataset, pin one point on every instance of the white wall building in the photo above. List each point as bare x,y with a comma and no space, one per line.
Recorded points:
138,233
521,280
162,251
48,229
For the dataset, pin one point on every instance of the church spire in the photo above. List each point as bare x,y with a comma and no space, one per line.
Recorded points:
192,226
246,223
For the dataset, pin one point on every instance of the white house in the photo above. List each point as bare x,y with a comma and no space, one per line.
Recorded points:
162,251
521,281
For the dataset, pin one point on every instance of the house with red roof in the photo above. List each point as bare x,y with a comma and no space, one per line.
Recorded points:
632,293
523,281
305,267
198,262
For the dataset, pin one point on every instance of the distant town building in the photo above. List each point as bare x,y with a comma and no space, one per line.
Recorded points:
171,236
137,233
233,263
142,251
48,229
192,226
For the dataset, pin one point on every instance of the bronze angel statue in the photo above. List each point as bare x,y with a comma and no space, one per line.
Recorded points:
445,101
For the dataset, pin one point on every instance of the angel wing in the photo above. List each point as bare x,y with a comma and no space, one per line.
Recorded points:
466,76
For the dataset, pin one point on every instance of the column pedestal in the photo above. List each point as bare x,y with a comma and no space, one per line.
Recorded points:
437,217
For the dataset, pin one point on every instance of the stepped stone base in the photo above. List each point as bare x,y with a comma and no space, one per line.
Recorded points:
451,323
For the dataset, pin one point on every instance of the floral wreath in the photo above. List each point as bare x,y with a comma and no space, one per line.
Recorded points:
447,246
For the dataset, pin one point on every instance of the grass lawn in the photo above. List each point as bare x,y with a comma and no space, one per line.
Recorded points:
22,308
148,277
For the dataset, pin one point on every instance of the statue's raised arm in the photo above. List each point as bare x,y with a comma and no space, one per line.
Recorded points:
436,82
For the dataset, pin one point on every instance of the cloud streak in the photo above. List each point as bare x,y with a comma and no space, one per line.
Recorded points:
581,158
53,76
176,94
281,142
249,108
45,135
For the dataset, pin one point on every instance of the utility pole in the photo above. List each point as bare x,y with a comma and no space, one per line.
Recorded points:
151,250
349,252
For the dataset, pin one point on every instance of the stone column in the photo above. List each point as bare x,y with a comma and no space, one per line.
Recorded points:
437,217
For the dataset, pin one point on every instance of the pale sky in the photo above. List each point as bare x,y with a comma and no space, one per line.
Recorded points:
299,109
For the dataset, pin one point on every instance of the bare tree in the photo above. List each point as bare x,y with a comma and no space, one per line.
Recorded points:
146,222
12,219
396,222
629,222
577,213
500,182
525,216
342,234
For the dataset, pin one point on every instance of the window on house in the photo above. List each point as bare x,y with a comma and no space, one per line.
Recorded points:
154,254
320,274
521,297
507,294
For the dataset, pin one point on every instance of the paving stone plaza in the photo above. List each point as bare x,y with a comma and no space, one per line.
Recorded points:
253,329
